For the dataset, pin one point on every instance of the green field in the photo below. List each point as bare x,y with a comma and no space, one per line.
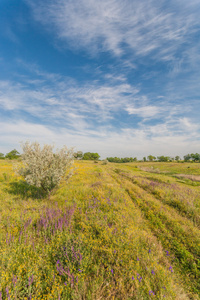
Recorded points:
115,231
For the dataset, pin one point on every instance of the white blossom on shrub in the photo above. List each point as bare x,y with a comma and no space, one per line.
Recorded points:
43,167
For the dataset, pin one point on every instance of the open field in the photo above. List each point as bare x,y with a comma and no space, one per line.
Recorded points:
115,231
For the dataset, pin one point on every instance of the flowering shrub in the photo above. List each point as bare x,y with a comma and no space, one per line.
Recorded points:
44,168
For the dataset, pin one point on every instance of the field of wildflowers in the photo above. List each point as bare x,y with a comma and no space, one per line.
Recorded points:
112,232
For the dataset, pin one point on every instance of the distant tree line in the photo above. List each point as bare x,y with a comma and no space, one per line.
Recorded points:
121,160
162,158
193,157
187,158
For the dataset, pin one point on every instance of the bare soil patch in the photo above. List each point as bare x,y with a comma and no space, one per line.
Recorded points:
191,177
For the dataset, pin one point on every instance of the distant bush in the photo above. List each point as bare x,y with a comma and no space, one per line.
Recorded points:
105,162
44,168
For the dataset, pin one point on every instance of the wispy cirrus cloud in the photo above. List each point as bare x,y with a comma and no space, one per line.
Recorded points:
87,116
143,27
62,100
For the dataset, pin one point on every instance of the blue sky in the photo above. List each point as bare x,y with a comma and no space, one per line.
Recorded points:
121,78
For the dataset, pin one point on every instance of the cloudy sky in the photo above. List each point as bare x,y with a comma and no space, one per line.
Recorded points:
117,77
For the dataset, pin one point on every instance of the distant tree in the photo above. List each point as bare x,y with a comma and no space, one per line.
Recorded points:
195,157
1,156
187,157
177,158
163,158
12,154
78,155
91,156
151,158
135,159
144,158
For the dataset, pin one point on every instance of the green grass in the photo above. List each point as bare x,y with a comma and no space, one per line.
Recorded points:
115,231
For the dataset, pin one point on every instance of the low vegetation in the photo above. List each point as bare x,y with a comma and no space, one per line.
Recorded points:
115,231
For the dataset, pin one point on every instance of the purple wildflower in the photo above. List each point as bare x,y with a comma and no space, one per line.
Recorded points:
170,268
133,278
7,292
149,251
14,280
152,272
139,278
151,292
112,271
137,258
30,280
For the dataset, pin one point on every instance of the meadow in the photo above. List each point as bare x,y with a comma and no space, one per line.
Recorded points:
113,231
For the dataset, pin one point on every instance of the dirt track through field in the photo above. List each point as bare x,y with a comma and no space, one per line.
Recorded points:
177,232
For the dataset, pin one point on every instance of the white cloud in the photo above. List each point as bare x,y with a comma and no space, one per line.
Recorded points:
140,25
145,111
128,142
186,125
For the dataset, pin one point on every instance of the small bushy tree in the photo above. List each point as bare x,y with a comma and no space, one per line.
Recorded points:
78,155
195,157
12,154
151,158
44,168
187,157
91,156
177,158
